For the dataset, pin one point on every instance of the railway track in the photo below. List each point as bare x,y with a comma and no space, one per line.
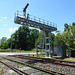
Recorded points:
47,60
38,68
15,69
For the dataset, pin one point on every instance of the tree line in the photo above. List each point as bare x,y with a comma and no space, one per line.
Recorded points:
23,38
27,39
67,37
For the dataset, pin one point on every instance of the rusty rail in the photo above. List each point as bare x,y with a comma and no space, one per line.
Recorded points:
47,60
38,68
14,69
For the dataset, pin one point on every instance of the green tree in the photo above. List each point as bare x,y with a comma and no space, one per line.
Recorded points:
2,40
59,38
37,41
73,24
67,37
66,26
5,45
34,34
24,38
20,37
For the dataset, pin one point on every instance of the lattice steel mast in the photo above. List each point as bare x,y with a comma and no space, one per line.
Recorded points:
42,40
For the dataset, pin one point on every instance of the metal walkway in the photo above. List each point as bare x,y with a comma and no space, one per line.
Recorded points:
33,21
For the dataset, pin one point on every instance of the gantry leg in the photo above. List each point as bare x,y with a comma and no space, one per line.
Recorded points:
42,41
48,44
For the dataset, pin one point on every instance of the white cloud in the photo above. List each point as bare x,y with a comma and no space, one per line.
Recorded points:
8,37
55,34
13,29
0,37
1,18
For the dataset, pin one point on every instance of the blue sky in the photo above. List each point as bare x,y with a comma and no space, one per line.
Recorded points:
56,11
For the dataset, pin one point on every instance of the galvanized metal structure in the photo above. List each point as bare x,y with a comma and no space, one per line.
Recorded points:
32,21
41,44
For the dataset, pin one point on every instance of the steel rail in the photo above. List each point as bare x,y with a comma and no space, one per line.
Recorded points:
14,69
45,58
38,68
53,61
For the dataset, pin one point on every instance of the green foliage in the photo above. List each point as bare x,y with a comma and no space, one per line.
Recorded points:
24,38
67,37
38,39
73,24
53,40
41,35
27,39
33,36
59,38
5,50
66,26
2,40
5,45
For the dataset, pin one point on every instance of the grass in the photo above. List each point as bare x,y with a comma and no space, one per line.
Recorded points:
27,51
61,58
70,59
4,50
34,50
65,59
39,55
18,50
